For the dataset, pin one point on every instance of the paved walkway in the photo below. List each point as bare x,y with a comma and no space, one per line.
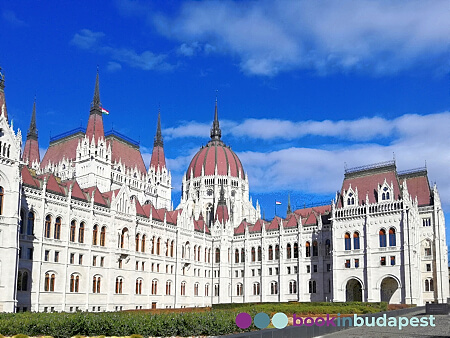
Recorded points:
442,329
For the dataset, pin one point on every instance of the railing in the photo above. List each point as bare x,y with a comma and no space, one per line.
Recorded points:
370,166
123,137
67,133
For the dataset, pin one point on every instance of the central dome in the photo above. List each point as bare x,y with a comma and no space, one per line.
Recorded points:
215,154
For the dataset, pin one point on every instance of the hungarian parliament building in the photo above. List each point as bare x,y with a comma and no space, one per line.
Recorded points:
91,227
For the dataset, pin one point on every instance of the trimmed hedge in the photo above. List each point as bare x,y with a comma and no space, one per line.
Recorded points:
212,322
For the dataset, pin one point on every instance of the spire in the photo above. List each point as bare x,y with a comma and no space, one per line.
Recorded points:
158,138
32,131
215,133
31,149
2,95
96,104
222,195
289,205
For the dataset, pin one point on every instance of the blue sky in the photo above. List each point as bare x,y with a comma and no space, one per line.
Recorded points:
304,88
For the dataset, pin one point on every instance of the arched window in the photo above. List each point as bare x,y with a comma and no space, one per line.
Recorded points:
242,255
81,233
236,256
196,289
30,224
253,254
327,247
57,234
431,285
392,239
49,284
270,253
119,284
143,243
348,243
256,289
292,287
312,286
288,251
209,255
239,291
308,249
47,228
158,246
74,283
277,251
102,236
315,248
217,255
139,286
427,285
295,250
356,240
96,284
273,288
73,226
171,250
1,200
168,287
206,290
94,235
259,254
195,252
154,246
183,288
138,239
382,235
122,237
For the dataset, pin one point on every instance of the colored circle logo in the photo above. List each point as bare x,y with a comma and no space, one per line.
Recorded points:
261,320
280,320
243,320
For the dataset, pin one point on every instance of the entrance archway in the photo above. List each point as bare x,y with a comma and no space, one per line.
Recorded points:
353,291
388,289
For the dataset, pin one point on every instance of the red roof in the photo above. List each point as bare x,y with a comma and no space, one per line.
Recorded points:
172,216
367,181
139,210
275,224
76,191
158,158
95,126
241,228
53,186
98,198
31,151
126,153
27,179
222,213
64,148
291,221
215,154
200,225
419,186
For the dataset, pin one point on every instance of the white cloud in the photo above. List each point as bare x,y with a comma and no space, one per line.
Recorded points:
376,37
11,17
113,66
146,60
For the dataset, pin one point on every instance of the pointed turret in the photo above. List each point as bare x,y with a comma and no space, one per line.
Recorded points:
31,149
289,211
95,123
158,159
3,111
216,133
222,210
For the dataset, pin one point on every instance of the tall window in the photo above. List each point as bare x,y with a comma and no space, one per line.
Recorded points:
312,286
96,284
138,239
1,200
308,249
171,250
47,228
158,246
119,284
73,226
348,243
327,247
168,287
74,283
392,239
122,237
139,286
94,235
183,288
195,252
382,236
253,254
217,255
259,254
102,236
256,289
57,234
49,283
153,245
315,248
242,255
277,251
22,281
273,288
30,224
292,287
239,291
196,289
143,244
356,240
207,290
22,220
81,233
236,256
288,251
295,250
270,252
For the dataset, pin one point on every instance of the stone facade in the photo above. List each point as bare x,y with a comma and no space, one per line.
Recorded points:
90,228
